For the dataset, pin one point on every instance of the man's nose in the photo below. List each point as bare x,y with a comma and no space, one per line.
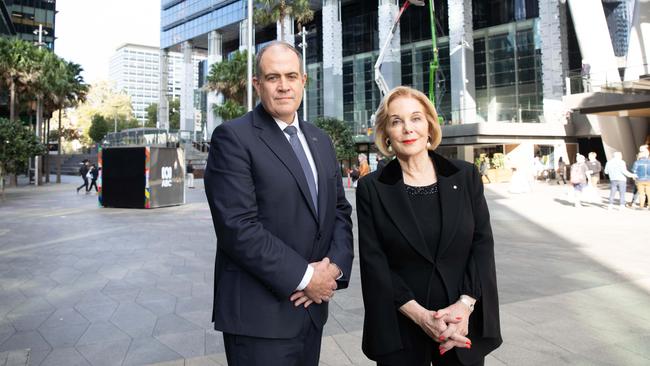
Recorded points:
283,84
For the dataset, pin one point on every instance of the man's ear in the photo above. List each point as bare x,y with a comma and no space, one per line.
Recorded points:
256,84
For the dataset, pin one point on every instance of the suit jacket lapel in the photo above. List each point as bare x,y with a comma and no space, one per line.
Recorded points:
312,141
451,201
396,203
274,138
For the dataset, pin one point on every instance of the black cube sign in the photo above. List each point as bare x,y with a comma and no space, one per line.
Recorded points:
166,182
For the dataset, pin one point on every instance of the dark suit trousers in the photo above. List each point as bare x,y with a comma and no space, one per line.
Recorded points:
303,350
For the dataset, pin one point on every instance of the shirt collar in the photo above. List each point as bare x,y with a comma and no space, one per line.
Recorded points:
284,125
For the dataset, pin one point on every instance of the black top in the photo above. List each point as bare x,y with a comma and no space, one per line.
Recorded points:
425,202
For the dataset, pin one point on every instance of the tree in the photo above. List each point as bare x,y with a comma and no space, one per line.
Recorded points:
340,134
98,128
17,145
19,69
229,110
102,99
152,115
271,11
229,79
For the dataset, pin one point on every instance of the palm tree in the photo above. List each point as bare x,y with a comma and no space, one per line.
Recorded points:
271,11
69,90
229,78
18,69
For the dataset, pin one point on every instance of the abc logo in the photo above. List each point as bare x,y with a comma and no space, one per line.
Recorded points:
166,174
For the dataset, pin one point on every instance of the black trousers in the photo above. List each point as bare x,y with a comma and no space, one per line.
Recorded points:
420,350
302,350
92,183
448,359
83,185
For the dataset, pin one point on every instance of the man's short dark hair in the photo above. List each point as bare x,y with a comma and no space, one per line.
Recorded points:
258,57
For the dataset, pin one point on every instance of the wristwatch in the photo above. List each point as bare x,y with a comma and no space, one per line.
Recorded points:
465,300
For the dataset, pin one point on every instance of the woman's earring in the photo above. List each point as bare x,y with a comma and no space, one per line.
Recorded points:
389,148
429,142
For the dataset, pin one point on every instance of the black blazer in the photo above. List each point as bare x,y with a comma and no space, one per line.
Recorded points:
395,259
267,227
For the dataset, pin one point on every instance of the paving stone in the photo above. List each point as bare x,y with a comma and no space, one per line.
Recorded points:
36,356
25,340
15,358
187,344
65,275
213,342
172,323
134,319
201,318
162,307
6,331
63,337
148,350
28,322
102,332
64,317
96,312
64,357
191,304
105,353
34,305
154,294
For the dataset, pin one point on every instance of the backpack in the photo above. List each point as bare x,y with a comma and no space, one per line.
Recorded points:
577,174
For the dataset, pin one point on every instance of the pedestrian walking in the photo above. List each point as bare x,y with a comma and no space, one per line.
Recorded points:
483,168
190,174
595,168
83,172
94,174
641,169
618,174
561,171
579,178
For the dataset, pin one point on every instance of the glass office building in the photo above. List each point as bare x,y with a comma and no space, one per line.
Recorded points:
501,78
27,15
135,70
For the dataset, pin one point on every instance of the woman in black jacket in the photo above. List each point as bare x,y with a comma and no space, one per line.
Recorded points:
426,249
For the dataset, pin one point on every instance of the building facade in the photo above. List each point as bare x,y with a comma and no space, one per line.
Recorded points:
27,15
135,70
506,66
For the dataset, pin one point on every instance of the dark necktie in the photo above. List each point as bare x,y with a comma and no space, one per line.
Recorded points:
292,131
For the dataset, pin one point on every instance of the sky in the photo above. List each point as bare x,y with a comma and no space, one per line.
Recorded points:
89,31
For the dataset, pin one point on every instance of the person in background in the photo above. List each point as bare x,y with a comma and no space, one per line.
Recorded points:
364,167
561,171
483,168
641,169
94,174
595,168
618,174
83,172
190,174
381,161
579,178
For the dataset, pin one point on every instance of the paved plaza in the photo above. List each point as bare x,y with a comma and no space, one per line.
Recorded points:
84,285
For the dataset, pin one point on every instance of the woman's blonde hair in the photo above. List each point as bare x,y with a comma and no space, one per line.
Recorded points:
382,118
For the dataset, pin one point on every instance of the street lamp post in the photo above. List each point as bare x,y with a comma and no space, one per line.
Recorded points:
39,114
303,46
249,60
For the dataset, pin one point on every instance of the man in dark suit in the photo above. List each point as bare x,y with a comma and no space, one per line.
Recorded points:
284,233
